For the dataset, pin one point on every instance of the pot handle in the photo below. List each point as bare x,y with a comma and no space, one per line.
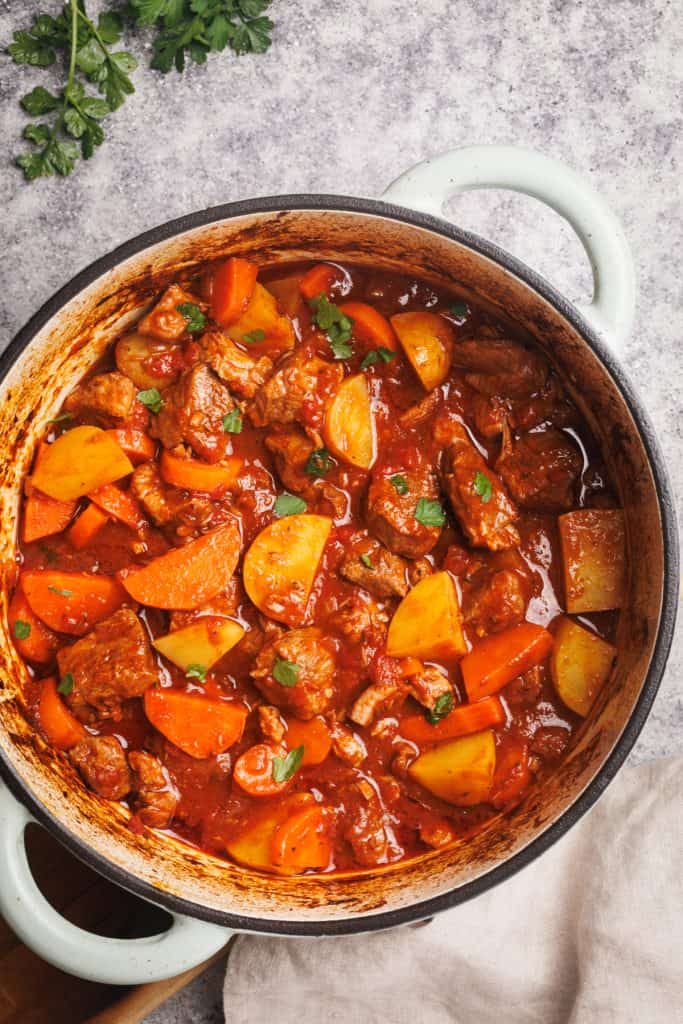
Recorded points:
428,185
93,957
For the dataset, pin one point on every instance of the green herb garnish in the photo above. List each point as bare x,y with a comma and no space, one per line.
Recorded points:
288,505
318,463
284,767
195,671
60,593
253,337
483,487
66,684
22,630
443,706
458,310
377,354
337,326
196,321
232,422
429,513
286,673
63,416
365,559
152,399
399,483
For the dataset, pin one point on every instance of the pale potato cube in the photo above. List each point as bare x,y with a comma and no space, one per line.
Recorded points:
203,642
594,556
580,663
428,621
460,771
349,427
427,340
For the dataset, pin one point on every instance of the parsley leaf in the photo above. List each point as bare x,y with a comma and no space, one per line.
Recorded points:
22,630
365,559
59,592
458,310
196,321
374,356
443,706
286,673
338,327
66,684
284,767
483,487
152,399
253,337
318,463
195,671
399,483
232,422
288,505
429,513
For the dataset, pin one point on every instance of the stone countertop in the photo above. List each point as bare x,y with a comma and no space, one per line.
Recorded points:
348,97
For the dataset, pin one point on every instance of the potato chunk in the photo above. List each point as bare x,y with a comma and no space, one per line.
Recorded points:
594,555
203,642
263,315
252,847
281,565
427,340
78,462
428,622
579,665
349,427
460,771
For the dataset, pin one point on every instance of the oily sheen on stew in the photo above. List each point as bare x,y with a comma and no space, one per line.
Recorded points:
319,568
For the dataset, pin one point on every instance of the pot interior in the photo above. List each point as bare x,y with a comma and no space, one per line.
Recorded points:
74,337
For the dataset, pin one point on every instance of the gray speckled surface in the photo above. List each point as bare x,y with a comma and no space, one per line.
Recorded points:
348,97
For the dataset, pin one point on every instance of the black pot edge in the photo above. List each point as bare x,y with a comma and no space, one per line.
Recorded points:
427,908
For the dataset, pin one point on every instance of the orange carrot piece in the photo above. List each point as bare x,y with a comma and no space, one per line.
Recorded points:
410,667
253,770
313,736
233,286
194,475
463,720
370,326
44,516
512,774
199,726
302,841
59,725
500,658
40,643
186,577
134,443
86,527
319,279
119,505
71,602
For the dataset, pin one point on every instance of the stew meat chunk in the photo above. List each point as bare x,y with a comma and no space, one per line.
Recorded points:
101,760
193,411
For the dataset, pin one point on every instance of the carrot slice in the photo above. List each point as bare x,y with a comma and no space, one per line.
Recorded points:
302,841
59,725
39,643
253,770
512,774
86,527
44,516
410,667
370,326
134,443
463,720
186,577
502,657
194,475
71,602
119,505
319,279
198,725
233,286
313,736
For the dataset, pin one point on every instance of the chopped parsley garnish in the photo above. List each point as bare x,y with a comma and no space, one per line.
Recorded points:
458,310
318,463
59,592
429,513
288,505
377,354
21,629
284,767
66,684
483,487
232,422
337,326
365,559
253,337
286,673
443,706
152,399
62,418
399,483
196,672
195,319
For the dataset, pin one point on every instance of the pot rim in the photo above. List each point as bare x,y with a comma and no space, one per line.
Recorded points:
426,908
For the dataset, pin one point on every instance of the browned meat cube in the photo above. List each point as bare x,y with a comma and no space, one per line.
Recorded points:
147,486
244,374
361,620
497,603
477,494
193,412
156,798
101,760
372,566
111,664
525,691
500,366
104,398
364,825
347,745
391,514
186,513
541,469
165,321
377,699
428,685
490,414
271,724
302,383
308,688
291,449
418,413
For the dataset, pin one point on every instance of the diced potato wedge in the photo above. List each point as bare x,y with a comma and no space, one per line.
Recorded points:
593,542
427,339
203,642
460,771
263,314
428,622
132,353
579,665
253,846
78,462
282,563
349,427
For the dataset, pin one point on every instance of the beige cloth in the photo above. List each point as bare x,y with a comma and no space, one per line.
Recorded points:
590,933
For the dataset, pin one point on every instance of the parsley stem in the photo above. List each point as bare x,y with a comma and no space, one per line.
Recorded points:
74,43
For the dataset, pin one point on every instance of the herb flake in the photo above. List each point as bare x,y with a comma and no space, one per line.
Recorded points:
151,397
318,463
195,319
429,513
195,671
286,673
288,505
66,684
284,767
253,337
483,487
60,592
443,706
22,630
366,561
338,327
232,422
399,483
